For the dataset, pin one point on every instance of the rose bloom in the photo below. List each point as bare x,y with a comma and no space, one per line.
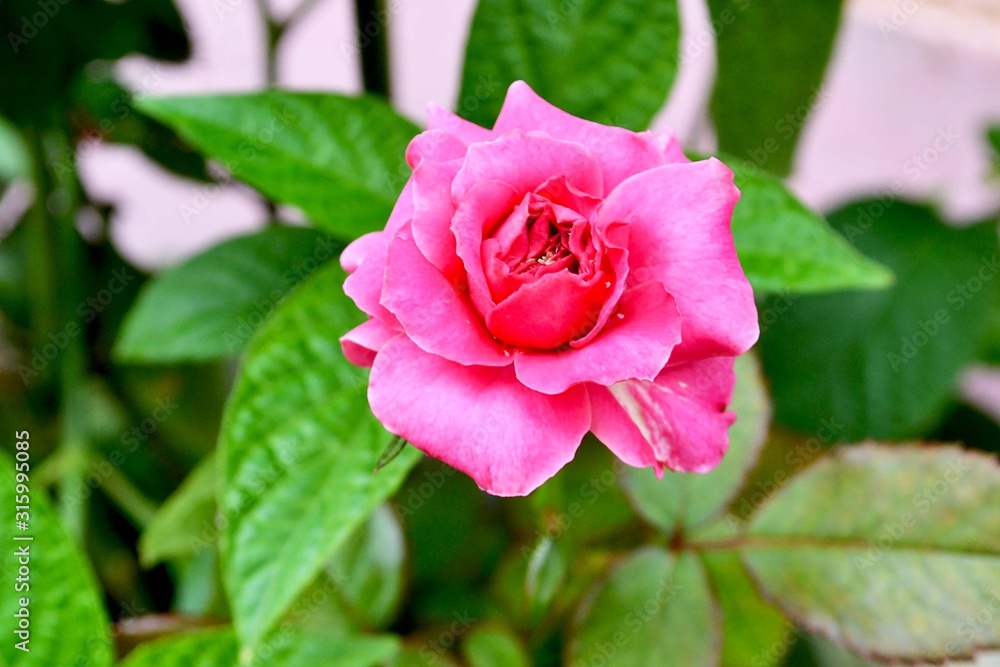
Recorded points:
546,278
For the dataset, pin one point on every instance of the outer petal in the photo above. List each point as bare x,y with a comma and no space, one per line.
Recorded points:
679,235
364,259
621,152
361,343
526,161
636,344
677,422
432,214
432,312
364,285
359,248
442,119
481,421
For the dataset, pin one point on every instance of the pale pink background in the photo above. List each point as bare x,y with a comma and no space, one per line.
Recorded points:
903,72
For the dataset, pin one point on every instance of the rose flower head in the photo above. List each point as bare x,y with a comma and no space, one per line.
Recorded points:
546,278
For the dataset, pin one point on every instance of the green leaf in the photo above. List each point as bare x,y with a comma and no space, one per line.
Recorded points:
754,632
66,616
218,647
771,59
340,159
785,247
14,160
545,576
610,62
209,306
185,523
891,551
688,500
368,570
297,451
884,364
655,608
493,645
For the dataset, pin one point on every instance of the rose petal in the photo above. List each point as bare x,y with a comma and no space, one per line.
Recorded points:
432,214
362,342
677,422
526,161
482,421
679,235
621,152
359,248
484,205
439,118
636,345
431,312
549,312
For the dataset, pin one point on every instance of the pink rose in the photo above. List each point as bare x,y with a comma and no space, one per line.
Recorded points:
546,278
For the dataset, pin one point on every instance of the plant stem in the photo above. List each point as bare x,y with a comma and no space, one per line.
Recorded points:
130,500
372,24
56,284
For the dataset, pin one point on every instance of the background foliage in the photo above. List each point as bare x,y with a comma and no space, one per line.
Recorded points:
202,454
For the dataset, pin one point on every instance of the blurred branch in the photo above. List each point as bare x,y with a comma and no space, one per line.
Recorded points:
372,24
57,249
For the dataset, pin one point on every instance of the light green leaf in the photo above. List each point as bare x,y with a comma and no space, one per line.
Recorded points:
655,608
545,576
67,623
785,247
218,647
209,306
891,551
14,160
340,159
368,570
185,523
685,499
771,59
884,364
610,62
493,645
298,449
754,632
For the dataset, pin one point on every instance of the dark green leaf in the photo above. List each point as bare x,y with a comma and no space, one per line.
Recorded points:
656,607
884,364
611,62
297,452
340,159
684,499
209,306
67,622
772,56
892,551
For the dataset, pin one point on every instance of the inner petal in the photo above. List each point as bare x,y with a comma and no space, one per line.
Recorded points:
546,275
